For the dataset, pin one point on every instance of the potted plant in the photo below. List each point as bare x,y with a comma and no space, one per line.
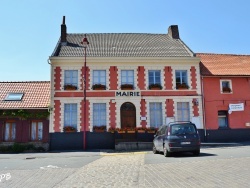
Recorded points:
111,129
151,130
70,87
98,87
182,86
120,130
141,129
127,86
155,86
69,129
130,129
226,89
101,128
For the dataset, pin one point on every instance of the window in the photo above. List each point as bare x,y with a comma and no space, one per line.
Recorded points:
99,77
70,115
36,130
10,131
99,114
181,79
222,119
14,97
71,77
183,111
226,86
127,77
155,109
154,77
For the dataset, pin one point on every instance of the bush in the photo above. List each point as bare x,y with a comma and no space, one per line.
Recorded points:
18,148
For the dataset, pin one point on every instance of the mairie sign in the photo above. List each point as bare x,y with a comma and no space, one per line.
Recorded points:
128,94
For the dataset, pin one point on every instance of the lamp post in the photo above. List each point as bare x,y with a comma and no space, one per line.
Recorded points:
85,43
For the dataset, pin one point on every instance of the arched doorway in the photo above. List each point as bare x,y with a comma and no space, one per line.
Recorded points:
128,115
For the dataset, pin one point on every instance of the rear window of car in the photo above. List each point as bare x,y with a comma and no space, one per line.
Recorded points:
183,129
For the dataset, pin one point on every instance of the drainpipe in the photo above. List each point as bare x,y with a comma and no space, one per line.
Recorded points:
203,107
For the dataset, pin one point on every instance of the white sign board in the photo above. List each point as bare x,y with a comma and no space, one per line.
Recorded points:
236,107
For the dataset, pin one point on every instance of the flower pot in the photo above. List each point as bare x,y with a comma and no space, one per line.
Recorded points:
151,131
141,131
99,131
121,132
155,88
130,131
70,131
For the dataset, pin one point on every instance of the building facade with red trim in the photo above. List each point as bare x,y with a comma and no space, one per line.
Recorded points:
226,87
134,81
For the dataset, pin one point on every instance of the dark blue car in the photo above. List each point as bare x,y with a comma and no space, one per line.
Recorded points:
177,137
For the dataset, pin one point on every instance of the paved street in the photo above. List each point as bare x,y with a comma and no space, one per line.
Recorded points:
216,167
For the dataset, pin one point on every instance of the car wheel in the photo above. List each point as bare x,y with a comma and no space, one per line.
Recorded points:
166,153
155,150
196,153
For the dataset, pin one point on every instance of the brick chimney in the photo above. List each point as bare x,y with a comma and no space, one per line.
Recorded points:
173,32
63,32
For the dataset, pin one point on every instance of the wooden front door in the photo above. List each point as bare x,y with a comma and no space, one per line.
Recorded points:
128,115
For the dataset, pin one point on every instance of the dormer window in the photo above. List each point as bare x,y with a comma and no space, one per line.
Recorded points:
14,97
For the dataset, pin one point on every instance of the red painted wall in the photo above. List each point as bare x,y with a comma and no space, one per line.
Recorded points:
57,78
143,113
141,78
170,107
57,115
167,75
82,115
193,78
112,114
215,101
114,75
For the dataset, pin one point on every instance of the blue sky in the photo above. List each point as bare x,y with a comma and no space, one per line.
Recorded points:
30,29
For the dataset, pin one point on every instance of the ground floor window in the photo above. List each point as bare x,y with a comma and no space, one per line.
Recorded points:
99,115
10,131
155,109
70,115
222,119
183,113
36,130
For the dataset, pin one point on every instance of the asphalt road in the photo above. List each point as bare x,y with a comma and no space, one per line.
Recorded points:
215,167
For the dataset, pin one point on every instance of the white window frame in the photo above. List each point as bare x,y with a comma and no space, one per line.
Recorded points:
99,77
230,86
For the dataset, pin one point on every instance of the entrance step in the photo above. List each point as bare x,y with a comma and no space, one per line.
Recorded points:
127,146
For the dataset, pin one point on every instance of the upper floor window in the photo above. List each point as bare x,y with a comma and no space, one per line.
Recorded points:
70,115
36,130
127,79
10,131
99,79
154,78
70,79
14,97
181,79
226,86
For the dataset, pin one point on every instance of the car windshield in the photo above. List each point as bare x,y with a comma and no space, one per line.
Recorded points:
183,129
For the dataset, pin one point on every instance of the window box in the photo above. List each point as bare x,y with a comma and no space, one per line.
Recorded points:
151,130
98,87
141,129
127,87
226,90
112,130
99,128
69,129
70,87
155,87
182,86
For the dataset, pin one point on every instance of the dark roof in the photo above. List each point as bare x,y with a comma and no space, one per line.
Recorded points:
224,64
123,45
36,94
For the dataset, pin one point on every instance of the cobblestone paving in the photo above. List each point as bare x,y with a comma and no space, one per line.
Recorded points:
130,171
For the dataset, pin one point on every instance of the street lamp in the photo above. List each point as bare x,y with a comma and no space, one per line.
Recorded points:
85,43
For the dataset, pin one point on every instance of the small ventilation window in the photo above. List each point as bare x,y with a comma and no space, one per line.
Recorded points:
14,97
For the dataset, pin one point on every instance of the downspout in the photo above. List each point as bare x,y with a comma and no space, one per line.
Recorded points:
203,109
51,95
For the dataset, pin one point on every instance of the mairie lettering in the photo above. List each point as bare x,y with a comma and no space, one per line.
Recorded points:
127,94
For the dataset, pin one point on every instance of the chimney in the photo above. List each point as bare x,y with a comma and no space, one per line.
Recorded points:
173,32
63,32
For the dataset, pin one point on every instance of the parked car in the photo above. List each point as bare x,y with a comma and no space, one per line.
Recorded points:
177,137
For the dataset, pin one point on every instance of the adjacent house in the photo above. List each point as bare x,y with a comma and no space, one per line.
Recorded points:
24,113
134,81
225,82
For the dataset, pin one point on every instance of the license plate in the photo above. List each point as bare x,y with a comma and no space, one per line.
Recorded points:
185,142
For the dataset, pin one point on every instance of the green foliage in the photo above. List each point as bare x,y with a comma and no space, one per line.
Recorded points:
19,148
23,114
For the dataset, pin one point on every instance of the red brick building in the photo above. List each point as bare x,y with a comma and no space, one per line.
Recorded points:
225,82
122,70
24,116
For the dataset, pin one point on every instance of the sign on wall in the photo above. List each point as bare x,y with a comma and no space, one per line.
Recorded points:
236,107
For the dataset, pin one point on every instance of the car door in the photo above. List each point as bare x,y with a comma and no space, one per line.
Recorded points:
156,139
160,138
